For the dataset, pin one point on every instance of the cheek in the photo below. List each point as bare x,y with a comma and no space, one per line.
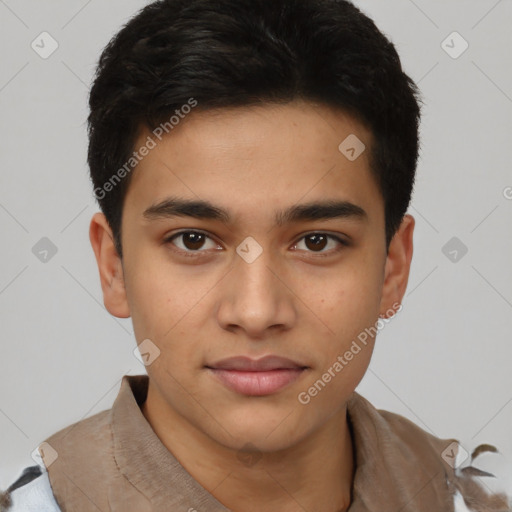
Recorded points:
349,305
166,309
161,297
344,357
351,302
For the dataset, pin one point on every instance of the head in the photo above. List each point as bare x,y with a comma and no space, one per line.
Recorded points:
254,162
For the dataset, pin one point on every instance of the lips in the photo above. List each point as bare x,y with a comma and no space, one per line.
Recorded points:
256,377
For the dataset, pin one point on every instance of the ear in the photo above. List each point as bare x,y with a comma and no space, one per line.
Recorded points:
110,267
398,264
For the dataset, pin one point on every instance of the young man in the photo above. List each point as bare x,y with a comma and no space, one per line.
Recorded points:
254,161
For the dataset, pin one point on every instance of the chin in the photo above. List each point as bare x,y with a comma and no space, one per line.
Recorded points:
265,432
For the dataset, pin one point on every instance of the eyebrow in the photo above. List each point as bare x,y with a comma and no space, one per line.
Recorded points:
200,209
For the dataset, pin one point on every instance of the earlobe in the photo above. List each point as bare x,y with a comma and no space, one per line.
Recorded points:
398,264
109,266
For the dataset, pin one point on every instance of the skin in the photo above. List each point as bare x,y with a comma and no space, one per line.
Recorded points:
267,453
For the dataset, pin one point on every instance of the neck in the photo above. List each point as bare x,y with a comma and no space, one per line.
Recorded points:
314,474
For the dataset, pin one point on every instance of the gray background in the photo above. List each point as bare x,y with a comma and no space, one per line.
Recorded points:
444,362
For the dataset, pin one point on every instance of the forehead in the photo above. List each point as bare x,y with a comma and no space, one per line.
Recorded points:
255,159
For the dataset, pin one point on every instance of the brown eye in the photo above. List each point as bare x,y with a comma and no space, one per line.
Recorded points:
191,241
316,242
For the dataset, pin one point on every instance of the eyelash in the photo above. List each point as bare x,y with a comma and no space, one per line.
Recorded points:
196,254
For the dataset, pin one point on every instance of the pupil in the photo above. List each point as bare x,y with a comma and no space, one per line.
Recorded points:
319,241
193,240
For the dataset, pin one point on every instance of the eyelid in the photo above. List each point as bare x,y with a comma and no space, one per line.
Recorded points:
340,237
170,238
342,242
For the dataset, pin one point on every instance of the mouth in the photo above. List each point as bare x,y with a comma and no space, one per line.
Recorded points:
256,377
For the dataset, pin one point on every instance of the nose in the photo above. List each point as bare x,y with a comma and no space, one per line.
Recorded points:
257,298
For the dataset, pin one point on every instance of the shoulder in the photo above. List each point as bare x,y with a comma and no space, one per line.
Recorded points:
74,437
31,491
397,438
483,478
479,476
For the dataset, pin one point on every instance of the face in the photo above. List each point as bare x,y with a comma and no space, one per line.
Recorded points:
280,256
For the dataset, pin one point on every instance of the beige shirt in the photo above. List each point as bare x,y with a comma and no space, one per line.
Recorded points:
113,461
